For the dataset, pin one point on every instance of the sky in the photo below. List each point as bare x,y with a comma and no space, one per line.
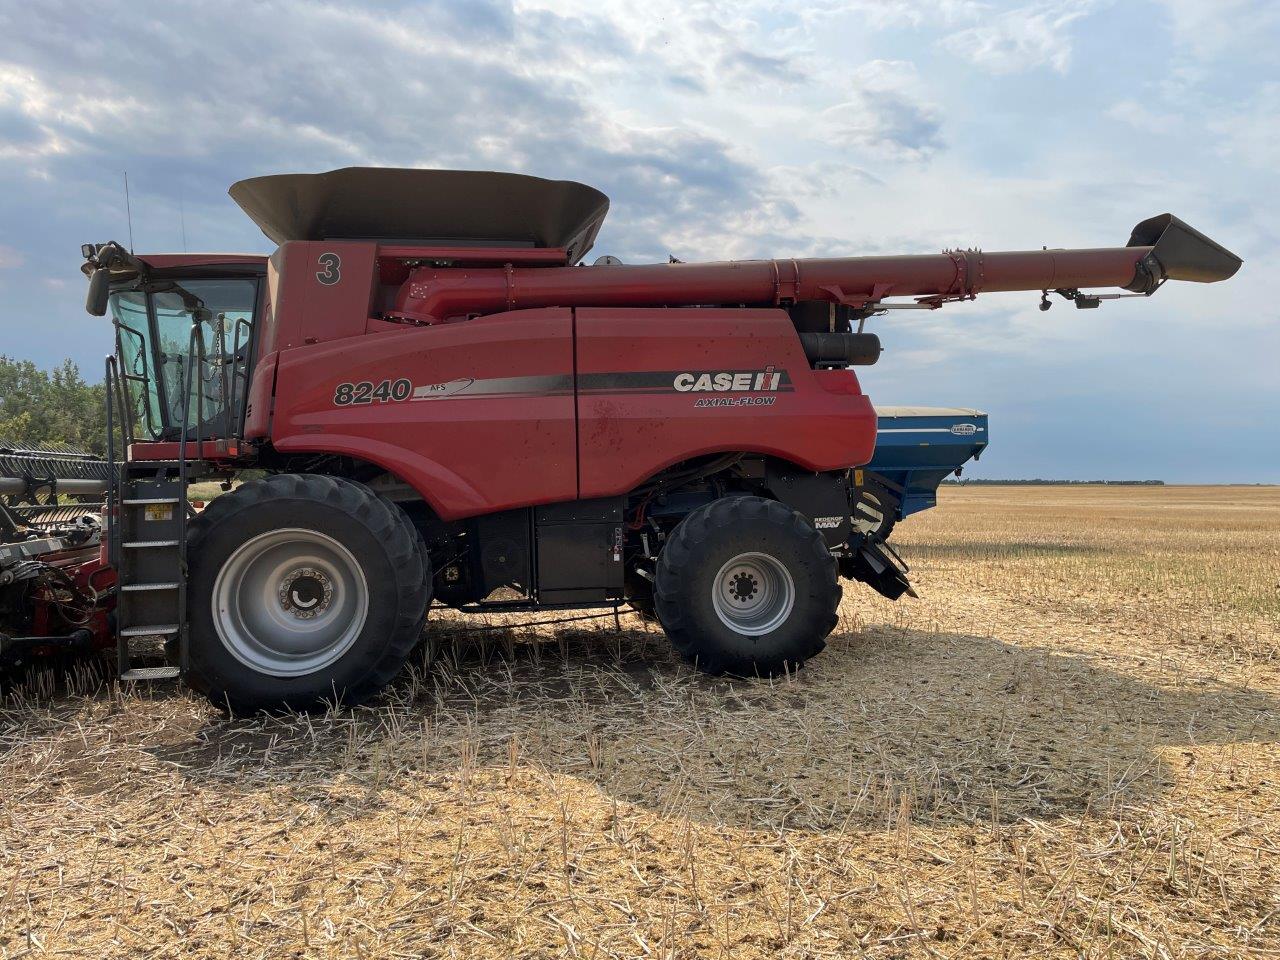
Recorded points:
723,130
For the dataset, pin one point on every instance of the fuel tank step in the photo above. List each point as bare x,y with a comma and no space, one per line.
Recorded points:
157,630
150,673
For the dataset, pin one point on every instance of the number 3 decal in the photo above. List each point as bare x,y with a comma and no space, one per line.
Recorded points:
332,271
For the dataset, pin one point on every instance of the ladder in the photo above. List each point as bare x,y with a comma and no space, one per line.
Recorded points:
146,509
149,540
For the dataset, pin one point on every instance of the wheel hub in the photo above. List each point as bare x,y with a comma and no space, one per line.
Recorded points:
753,594
306,593
744,586
290,602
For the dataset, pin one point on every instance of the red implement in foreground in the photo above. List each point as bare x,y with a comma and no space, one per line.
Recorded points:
450,407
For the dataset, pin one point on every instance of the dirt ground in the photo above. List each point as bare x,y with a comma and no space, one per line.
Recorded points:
1069,747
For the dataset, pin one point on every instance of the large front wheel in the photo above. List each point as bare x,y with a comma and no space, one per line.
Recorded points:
746,585
303,589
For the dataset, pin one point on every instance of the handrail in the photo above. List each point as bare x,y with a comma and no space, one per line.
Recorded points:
111,386
195,363
142,379
220,330
240,373
114,519
192,348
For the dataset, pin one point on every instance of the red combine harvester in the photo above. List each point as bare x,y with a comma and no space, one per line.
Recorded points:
450,407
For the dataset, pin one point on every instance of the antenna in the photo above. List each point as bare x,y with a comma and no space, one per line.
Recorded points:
182,218
128,210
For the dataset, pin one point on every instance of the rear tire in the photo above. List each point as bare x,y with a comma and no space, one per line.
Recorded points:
747,586
303,590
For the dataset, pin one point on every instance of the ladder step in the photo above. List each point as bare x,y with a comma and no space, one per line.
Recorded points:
149,500
159,630
133,587
150,673
142,544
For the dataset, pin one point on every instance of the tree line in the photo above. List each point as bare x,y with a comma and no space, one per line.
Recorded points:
42,407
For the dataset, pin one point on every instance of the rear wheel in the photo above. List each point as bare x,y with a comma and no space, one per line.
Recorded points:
303,589
746,585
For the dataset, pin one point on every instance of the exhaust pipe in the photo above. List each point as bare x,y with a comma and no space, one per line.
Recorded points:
841,349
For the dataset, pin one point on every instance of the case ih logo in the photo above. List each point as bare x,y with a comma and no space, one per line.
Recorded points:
730,381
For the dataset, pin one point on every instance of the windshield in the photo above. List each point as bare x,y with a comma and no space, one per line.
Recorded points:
154,339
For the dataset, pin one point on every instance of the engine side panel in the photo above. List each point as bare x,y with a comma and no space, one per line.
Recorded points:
657,386
477,416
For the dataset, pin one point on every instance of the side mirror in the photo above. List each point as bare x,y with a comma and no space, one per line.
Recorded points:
99,290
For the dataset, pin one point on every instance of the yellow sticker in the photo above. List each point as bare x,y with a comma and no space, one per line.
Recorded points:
857,478
159,511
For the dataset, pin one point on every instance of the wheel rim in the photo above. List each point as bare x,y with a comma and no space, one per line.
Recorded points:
753,594
868,514
290,602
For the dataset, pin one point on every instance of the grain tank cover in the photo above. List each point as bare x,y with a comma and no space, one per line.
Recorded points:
431,207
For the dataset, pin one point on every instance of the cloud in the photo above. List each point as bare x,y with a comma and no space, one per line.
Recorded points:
884,116
1250,130
750,67
1022,39
894,14
32,126
1146,117
1222,27
304,87
702,47
10,258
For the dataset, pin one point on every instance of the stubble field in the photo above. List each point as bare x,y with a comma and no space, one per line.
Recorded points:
1069,747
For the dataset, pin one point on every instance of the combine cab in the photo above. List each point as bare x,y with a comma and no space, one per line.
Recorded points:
446,406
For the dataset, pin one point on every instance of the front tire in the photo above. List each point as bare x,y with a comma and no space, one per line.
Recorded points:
747,586
303,590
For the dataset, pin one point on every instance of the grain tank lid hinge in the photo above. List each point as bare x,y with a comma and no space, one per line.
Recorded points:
465,208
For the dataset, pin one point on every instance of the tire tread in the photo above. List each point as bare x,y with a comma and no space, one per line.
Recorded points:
389,524
689,543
